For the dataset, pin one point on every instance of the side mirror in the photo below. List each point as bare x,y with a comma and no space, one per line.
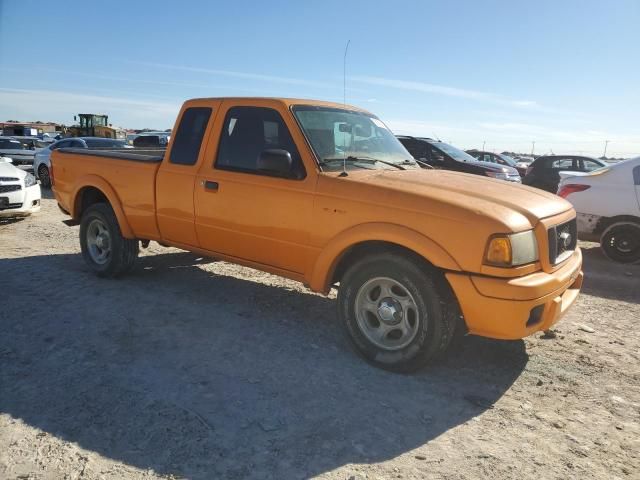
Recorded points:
275,162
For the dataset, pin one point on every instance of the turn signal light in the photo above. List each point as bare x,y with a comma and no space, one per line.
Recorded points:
499,251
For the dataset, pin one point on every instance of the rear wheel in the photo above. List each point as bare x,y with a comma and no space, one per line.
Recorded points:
397,314
43,176
104,249
620,242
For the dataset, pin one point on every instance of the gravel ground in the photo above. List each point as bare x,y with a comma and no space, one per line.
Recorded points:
189,368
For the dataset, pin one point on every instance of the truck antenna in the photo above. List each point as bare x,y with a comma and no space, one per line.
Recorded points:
344,103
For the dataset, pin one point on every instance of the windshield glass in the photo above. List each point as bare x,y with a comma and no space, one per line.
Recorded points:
454,152
335,133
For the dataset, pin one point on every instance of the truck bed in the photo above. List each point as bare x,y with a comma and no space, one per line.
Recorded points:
129,174
151,155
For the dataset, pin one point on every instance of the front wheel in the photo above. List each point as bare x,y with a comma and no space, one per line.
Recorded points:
104,249
398,314
44,176
620,242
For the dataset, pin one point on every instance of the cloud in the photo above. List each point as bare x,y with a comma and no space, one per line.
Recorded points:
518,137
47,105
243,75
444,90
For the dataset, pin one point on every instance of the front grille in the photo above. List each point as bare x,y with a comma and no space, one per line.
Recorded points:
8,179
563,240
11,206
9,188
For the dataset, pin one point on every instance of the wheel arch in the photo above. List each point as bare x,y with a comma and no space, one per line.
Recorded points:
605,222
94,189
351,244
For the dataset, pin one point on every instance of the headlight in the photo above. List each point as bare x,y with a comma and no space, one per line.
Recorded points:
29,180
512,250
498,175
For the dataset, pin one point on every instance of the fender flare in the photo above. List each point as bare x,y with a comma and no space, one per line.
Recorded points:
107,190
332,253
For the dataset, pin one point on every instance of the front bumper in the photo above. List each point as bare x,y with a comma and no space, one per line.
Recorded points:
22,202
513,308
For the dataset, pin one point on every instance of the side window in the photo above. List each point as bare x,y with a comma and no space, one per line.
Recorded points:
436,155
188,139
562,164
76,144
63,144
11,144
590,165
246,132
636,175
417,149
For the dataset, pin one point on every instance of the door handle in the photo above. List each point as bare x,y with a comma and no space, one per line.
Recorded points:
211,186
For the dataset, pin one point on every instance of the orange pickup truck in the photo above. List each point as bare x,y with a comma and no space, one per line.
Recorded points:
324,194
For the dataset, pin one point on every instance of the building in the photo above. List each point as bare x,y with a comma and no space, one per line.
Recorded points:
29,129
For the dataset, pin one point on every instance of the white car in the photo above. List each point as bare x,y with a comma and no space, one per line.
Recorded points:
19,191
608,204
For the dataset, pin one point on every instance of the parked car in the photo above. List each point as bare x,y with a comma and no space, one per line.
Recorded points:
608,204
19,191
443,156
544,172
14,149
499,159
42,162
30,143
150,141
324,194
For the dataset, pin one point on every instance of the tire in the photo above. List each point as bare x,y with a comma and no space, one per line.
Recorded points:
399,315
620,242
104,249
44,176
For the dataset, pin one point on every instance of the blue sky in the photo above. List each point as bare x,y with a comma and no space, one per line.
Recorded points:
565,74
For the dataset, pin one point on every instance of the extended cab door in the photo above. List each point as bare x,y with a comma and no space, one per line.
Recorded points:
176,176
247,213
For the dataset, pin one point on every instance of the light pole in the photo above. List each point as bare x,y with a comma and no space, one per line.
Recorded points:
533,147
606,143
483,142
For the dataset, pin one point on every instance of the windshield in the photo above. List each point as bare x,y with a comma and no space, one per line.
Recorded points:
335,134
454,152
510,161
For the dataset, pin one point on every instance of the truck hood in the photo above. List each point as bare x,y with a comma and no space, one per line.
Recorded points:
515,206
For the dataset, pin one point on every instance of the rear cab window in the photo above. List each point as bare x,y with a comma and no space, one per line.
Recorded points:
188,139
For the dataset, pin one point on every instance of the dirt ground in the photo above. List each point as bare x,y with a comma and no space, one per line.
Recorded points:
189,368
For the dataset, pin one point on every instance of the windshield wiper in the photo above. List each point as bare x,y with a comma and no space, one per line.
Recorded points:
419,162
353,159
